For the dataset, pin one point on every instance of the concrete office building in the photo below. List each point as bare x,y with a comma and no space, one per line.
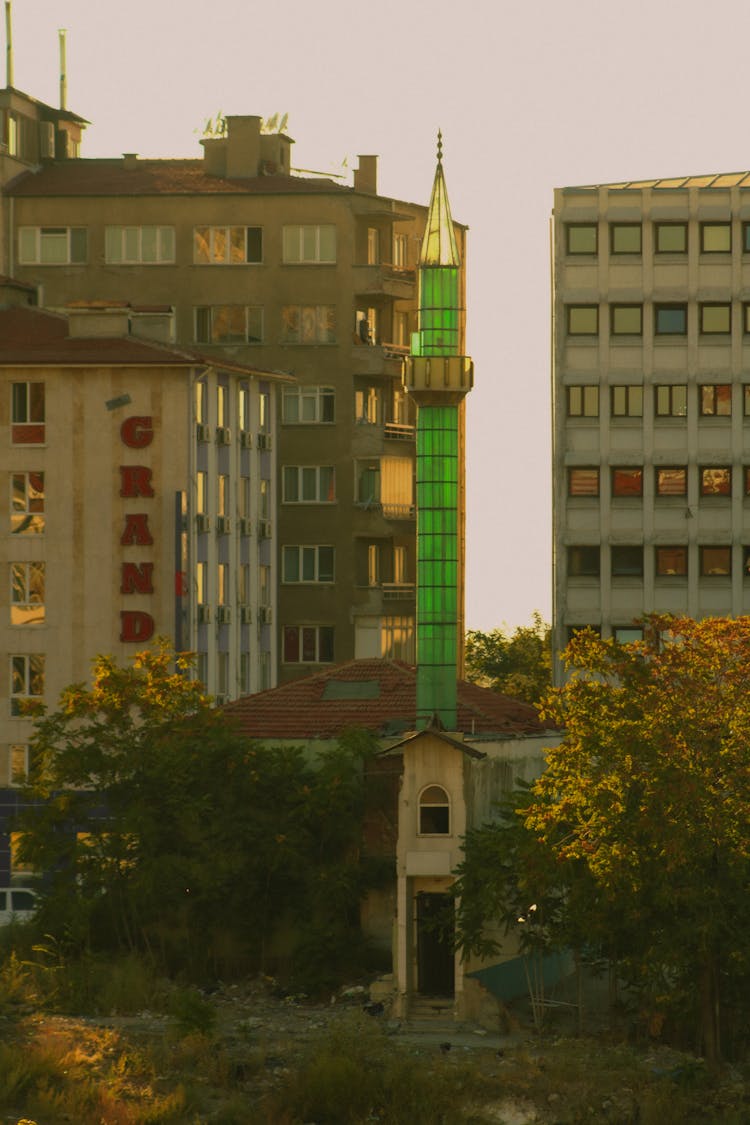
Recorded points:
276,271
651,401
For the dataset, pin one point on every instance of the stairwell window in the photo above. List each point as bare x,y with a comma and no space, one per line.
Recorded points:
52,246
434,812
313,244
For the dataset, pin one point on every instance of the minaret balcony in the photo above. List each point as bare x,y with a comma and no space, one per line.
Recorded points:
385,281
438,378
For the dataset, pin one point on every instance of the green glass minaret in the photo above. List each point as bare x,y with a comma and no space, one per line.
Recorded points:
438,378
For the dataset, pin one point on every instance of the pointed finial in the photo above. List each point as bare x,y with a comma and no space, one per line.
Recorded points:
440,147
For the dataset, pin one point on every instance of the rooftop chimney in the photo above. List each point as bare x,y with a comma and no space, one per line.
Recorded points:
243,147
130,161
366,175
63,71
8,45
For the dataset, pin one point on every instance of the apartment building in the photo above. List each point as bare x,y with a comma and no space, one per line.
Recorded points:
651,402
275,271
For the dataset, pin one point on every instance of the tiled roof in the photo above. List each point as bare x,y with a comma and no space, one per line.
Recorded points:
32,337
156,177
710,180
318,707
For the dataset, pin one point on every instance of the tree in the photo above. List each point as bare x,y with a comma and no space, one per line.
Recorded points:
160,828
642,814
519,664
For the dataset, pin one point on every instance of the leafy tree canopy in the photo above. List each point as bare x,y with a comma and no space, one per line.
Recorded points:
160,828
517,664
636,839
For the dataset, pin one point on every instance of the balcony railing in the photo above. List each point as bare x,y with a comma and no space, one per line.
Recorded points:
378,359
385,280
398,591
400,431
388,510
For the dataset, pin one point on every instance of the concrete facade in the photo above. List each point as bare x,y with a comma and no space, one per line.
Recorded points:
651,402
274,270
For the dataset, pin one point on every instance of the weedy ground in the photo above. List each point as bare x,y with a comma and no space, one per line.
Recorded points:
112,1045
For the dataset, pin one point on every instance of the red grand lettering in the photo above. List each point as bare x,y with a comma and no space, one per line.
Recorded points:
135,625
136,533
137,578
135,480
137,432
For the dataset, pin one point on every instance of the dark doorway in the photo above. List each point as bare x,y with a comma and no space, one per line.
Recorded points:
435,957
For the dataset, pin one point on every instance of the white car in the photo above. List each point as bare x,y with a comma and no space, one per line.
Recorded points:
17,904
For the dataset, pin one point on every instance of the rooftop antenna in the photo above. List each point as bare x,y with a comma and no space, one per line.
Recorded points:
63,75
8,45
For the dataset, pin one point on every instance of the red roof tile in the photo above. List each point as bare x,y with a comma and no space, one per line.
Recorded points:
304,708
156,177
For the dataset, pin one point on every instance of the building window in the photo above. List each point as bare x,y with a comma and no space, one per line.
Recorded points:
627,562
27,593
264,584
229,324
308,644
27,413
309,484
715,481
671,482
227,246
397,638
627,634
201,492
715,320
373,246
625,238
308,564
627,402
201,391
583,562
387,482
308,324
715,399
222,481
222,584
716,238
746,237
581,238
366,406
670,320
670,400
715,562
671,562
52,246
583,402
26,681
626,320
400,251
27,503
264,499
583,320
18,764
671,238
627,482
399,566
201,583
434,812
307,405
583,482
309,244
138,245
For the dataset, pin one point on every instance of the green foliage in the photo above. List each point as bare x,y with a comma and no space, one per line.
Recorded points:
519,664
191,1012
636,839
162,831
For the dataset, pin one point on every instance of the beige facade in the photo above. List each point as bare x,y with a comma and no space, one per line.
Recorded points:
651,398
300,275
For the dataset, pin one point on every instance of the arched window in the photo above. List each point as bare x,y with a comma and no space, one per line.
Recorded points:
434,812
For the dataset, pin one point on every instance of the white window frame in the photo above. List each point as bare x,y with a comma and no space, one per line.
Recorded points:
24,662
118,252
300,470
23,583
307,552
314,397
296,248
217,241
34,519
32,242
421,803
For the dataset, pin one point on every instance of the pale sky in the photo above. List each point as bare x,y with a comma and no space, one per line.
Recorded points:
528,96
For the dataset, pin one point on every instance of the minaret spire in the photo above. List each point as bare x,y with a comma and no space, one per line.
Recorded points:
438,377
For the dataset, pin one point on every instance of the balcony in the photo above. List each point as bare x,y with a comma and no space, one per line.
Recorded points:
399,431
378,359
398,591
384,281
